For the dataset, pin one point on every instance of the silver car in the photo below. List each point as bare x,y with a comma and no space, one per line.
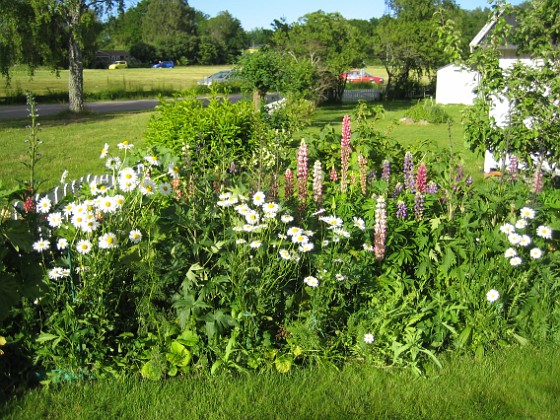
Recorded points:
219,77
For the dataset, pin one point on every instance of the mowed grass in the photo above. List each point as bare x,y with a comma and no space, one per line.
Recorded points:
74,143
110,82
516,383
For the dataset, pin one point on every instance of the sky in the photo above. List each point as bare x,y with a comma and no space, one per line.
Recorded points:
260,14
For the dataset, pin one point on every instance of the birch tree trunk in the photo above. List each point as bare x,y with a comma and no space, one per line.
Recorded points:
76,64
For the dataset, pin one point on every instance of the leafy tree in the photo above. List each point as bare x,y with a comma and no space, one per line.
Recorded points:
124,30
531,90
224,36
406,43
39,26
330,42
170,26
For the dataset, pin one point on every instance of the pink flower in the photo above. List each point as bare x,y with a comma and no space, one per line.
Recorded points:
302,172
538,181
333,174
362,163
289,183
421,178
345,152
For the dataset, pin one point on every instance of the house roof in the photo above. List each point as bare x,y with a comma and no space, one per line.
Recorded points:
483,34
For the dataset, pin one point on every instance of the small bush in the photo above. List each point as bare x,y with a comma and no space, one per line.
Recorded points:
427,110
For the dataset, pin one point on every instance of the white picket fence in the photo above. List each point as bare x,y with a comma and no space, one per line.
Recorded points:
58,193
354,95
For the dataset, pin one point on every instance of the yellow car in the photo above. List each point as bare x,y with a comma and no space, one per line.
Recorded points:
118,65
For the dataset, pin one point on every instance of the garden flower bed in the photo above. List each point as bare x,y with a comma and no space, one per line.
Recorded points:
244,258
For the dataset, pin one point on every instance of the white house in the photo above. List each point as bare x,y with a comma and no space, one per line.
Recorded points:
455,85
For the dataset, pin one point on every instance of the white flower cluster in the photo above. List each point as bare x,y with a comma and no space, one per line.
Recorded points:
519,238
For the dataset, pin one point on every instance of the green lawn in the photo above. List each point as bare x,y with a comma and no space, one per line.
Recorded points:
516,383
74,143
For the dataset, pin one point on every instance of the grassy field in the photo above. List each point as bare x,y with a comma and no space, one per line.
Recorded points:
106,83
516,383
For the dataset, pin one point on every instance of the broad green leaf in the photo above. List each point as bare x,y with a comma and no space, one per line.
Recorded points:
46,337
152,370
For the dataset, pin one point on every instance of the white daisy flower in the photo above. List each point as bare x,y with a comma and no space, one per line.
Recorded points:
68,209
359,223
284,254
255,244
527,213
165,188
41,245
311,281
332,221
493,295
252,217
173,171
44,205
535,253
152,160
369,338
544,232
135,236
514,238
83,246
515,261
108,241
270,207
521,224
293,231
55,219
242,209
525,240
510,252
113,163
107,204
62,243
259,198
507,228
286,218
56,273
147,186
368,247
240,241
306,247
125,145
104,151
300,239
340,277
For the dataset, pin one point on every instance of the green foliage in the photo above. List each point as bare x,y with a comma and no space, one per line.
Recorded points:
214,135
427,110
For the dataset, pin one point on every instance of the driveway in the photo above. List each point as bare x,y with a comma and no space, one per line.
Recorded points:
8,112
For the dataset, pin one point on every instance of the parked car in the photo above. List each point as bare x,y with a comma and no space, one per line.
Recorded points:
219,77
361,76
164,65
118,65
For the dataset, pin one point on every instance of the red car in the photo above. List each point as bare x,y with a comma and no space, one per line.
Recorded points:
361,76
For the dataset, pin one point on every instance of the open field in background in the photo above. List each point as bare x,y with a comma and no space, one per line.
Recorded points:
518,383
45,82
74,143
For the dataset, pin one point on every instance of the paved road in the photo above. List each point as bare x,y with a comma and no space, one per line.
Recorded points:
8,112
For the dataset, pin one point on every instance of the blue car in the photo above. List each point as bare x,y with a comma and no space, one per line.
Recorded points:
164,65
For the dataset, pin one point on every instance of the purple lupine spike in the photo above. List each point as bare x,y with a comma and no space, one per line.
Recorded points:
402,211
513,168
408,169
398,190
418,205
386,171
432,188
